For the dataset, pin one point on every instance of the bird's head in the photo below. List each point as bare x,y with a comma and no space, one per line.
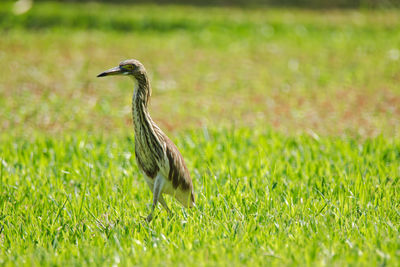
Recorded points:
127,67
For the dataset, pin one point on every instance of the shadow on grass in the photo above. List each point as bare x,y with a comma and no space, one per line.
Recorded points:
138,18
34,21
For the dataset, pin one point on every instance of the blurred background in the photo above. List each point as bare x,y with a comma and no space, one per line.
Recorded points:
320,67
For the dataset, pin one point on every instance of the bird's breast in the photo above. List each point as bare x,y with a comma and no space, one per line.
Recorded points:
146,160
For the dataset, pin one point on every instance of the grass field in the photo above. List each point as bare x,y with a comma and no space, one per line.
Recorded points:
288,120
262,198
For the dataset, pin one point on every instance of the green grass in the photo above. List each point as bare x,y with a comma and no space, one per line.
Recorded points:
262,198
288,120
331,72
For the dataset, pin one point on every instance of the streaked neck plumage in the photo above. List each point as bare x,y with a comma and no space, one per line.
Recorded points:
140,101
148,146
142,88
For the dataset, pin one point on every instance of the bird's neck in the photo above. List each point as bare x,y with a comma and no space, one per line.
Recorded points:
141,96
148,136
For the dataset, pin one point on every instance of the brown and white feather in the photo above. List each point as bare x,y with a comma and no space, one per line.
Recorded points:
155,153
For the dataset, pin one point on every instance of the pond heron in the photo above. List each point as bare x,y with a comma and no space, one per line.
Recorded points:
156,155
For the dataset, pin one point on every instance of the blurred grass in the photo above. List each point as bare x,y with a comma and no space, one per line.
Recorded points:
331,72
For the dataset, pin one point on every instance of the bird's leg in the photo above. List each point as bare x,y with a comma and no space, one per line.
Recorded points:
158,184
164,204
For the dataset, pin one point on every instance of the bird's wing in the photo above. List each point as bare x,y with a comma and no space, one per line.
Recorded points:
178,173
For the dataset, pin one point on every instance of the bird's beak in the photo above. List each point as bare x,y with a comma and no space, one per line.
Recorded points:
113,71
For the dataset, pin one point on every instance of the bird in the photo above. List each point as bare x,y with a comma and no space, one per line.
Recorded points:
156,155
